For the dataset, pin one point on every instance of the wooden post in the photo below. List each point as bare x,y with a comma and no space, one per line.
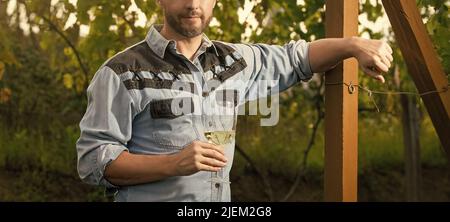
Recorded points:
423,63
341,105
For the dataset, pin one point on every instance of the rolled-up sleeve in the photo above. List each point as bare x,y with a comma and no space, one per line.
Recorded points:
105,128
285,65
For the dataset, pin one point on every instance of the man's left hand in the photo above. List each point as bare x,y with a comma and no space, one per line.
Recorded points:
374,56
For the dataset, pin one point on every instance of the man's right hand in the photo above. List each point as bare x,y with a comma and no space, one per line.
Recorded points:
199,156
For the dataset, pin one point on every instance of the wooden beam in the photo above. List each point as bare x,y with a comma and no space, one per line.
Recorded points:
423,63
341,118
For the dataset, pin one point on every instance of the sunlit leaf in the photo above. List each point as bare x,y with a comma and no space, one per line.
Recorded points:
68,81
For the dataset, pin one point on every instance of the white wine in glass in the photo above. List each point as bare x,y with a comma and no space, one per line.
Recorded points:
220,137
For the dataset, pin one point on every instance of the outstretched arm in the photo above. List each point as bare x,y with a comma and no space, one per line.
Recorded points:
374,56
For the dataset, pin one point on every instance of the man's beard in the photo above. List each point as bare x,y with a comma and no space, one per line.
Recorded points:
175,22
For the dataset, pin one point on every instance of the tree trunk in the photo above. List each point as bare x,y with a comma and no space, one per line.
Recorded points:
411,126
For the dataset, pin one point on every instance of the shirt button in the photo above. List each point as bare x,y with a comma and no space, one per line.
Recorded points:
217,185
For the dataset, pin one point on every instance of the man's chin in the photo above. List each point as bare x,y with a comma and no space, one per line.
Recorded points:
192,32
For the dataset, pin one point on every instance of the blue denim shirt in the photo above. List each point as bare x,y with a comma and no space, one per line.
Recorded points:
127,110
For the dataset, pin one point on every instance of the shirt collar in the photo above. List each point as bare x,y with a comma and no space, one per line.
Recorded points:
159,43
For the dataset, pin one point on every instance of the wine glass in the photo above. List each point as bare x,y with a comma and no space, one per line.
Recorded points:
221,132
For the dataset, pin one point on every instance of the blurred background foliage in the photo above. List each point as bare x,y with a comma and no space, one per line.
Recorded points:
50,49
